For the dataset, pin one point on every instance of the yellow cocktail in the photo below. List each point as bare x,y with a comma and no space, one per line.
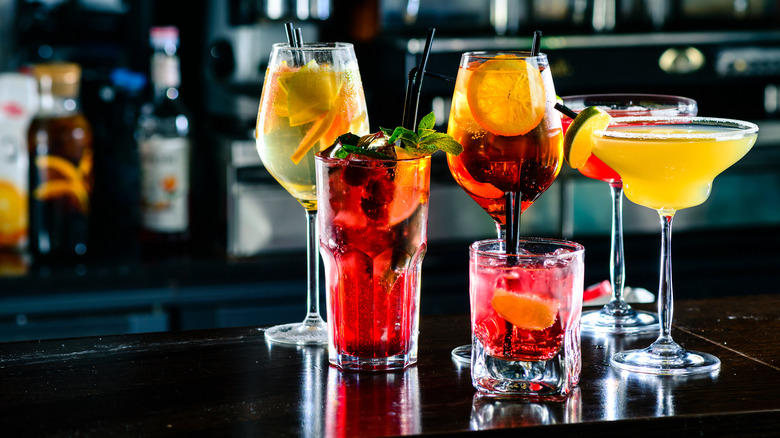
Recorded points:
670,167
668,164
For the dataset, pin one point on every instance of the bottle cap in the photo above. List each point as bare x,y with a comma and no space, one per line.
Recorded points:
61,77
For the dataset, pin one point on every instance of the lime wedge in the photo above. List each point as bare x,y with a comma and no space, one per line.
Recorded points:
577,143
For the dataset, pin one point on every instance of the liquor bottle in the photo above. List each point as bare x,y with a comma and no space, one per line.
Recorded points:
164,148
60,148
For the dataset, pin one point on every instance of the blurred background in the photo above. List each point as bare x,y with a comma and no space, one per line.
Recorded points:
244,262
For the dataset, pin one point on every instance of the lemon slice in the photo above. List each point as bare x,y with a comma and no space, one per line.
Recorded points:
311,92
577,143
506,96
528,312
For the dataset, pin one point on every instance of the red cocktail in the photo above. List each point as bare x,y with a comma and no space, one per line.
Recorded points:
373,220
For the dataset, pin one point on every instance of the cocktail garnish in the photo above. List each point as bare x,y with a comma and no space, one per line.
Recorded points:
577,143
527,312
398,143
506,96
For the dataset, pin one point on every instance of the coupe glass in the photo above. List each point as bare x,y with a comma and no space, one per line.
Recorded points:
311,95
618,316
667,164
503,115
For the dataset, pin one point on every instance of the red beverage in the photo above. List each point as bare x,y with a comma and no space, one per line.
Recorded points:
525,316
492,162
373,219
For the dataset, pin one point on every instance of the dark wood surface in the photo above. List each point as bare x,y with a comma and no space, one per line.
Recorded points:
230,382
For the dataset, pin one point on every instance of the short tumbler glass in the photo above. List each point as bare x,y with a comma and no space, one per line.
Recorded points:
525,317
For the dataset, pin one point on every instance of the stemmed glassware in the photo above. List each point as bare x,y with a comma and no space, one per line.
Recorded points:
503,115
311,95
618,316
667,164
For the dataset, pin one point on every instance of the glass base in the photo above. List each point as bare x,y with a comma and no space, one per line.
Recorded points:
390,363
462,355
621,320
299,333
550,379
665,359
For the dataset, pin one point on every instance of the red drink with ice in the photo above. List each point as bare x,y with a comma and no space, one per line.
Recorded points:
373,220
525,312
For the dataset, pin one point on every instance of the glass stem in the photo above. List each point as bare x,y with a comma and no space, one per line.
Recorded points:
313,274
665,301
617,268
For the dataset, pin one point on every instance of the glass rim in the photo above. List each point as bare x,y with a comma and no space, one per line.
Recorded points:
489,54
574,247
741,128
334,160
670,97
314,46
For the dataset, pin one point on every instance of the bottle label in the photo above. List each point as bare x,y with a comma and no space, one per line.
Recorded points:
165,184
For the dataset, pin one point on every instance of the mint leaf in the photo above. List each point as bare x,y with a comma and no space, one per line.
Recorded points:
425,141
348,138
427,122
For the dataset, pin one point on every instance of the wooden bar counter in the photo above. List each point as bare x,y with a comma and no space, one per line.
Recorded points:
230,382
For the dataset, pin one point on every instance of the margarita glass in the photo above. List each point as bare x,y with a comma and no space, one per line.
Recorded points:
311,95
618,316
667,164
503,115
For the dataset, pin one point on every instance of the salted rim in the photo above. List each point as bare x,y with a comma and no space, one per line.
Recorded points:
741,128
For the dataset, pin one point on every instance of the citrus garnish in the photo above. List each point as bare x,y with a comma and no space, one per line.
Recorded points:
410,190
311,92
577,143
528,312
506,96
61,188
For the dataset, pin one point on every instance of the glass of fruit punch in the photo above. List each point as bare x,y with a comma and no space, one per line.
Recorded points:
373,193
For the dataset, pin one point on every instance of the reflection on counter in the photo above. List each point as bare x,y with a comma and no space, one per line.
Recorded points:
493,413
375,404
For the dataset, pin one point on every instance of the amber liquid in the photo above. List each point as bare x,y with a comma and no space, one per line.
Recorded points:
60,185
492,165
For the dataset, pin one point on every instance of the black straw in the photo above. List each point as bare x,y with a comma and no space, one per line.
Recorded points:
288,27
537,43
414,85
566,111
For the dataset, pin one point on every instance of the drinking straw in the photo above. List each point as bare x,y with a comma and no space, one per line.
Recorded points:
537,43
288,27
566,111
414,85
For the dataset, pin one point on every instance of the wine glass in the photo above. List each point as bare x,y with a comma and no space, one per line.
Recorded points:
667,164
503,115
618,316
311,95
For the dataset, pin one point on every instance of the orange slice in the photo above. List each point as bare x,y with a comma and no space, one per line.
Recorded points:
311,92
528,312
506,96
62,188
409,189
13,214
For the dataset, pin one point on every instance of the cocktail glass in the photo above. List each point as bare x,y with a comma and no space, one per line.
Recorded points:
503,115
525,317
618,316
373,235
668,164
311,95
